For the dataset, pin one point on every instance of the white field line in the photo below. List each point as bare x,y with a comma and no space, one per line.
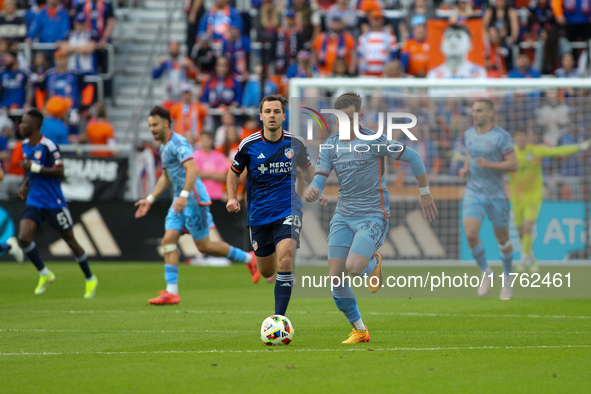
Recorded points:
418,314
276,349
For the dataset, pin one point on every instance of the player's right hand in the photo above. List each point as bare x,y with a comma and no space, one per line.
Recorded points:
22,192
233,205
143,208
463,172
311,194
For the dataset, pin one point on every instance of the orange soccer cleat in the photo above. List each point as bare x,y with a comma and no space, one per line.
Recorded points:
357,336
252,267
165,298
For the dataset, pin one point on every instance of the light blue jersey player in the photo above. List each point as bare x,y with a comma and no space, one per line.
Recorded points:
189,212
490,153
361,219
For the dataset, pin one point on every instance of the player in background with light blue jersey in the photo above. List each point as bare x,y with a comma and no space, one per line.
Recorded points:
190,209
490,153
361,218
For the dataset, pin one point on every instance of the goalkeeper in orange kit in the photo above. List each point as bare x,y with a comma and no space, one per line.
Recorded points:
527,187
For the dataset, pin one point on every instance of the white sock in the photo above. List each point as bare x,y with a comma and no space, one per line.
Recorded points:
358,325
248,258
44,272
488,271
91,279
172,289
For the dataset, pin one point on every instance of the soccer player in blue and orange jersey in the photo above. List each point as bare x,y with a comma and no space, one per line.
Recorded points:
189,212
361,219
271,157
490,153
43,166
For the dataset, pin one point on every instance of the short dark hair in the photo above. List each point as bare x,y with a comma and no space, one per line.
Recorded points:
36,115
489,104
348,99
161,112
273,97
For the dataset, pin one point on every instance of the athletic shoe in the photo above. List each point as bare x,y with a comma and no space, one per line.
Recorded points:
377,272
507,290
534,267
357,336
91,287
15,249
523,264
44,281
252,267
485,286
165,298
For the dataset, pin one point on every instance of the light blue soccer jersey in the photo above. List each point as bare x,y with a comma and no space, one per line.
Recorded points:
362,187
493,146
174,154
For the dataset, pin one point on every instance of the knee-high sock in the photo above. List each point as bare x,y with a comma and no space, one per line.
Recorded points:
283,286
526,244
479,256
33,254
83,262
371,265
346,302
507,259
171,274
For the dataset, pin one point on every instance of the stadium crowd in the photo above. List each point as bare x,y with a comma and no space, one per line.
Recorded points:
212,73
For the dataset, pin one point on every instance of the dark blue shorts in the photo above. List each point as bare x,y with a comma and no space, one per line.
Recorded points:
265,237
60,219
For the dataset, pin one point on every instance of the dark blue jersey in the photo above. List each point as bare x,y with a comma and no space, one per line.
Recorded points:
14,88
44,191
272,176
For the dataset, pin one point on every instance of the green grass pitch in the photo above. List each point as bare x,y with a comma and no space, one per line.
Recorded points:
116,343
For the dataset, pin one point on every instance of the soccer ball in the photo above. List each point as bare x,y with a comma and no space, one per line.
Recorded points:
276,330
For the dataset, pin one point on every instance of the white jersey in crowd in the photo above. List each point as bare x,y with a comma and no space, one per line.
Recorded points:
375,49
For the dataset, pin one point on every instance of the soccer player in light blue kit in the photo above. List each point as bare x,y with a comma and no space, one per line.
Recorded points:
490,152
189,211
361,219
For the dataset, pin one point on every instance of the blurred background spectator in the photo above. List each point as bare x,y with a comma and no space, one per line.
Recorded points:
175,70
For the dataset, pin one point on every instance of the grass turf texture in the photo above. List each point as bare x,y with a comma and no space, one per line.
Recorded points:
59,342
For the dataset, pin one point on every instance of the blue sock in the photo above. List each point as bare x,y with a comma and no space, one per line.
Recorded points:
237,254
83,262
171,274
33,254
478,254
4,247
283,285
346,302
371,265
507,259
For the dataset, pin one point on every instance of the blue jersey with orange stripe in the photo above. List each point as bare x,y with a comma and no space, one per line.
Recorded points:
359,166
272,175
174,154
493,146
45,191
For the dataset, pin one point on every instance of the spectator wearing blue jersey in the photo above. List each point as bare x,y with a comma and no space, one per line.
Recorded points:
236,49
575,17
99,18
61,82
252,90
175,70
221,89
303,68
217,21
54,127
523,68
286,44
13,82
81,44
51,24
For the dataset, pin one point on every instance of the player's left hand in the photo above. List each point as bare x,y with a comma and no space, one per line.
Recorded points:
323,200
143,208
428,206
26,165
311,194
482,162
179,205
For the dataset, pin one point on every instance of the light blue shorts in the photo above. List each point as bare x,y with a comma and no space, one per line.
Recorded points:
195,220
359,235
477,207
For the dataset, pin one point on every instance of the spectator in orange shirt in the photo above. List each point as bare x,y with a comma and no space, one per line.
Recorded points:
251,126
415,51
229,147
100,132
189,115
496,53
336,44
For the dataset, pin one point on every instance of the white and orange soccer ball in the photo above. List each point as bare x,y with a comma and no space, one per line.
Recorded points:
276,330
